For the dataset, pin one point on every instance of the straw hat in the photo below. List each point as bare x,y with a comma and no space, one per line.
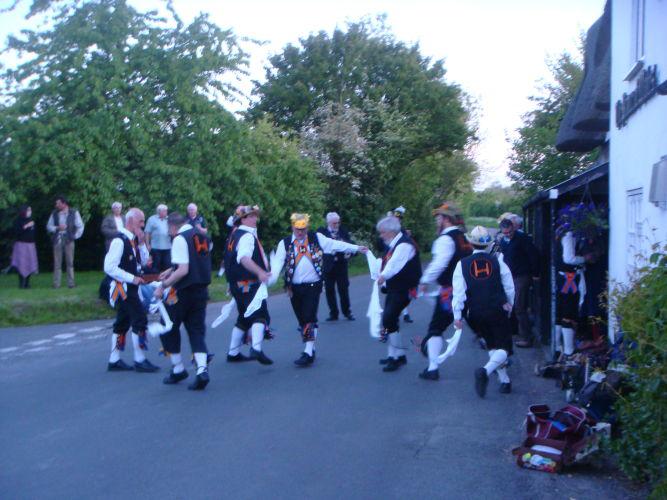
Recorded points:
300,221
244,211
479,237
448,209
397,212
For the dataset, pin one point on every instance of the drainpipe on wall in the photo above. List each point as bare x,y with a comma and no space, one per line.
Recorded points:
553,196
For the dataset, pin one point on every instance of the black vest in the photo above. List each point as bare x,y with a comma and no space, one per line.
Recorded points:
235,271
408,276
199,266
128,261
485,292
316,254
462,249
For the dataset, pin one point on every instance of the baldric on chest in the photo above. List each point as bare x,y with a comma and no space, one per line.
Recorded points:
295,251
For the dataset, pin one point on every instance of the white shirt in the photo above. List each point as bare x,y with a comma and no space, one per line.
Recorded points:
179,247
115,253
305,272
119,222
569,250
401,255
246,245
460,286
442,251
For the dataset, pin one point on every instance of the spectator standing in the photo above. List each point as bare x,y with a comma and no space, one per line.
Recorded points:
112,223
158,239
24,254
335,268
195,220
65,227
522,257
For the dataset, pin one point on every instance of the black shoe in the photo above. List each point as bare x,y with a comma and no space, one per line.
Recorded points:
481,381
506,388
175,378
237,358
332,318
305,360
407,318
350,317
402,360
392,365
430,374
119,366
145,367
200,382
260,356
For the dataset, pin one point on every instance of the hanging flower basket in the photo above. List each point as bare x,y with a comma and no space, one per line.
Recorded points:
585,220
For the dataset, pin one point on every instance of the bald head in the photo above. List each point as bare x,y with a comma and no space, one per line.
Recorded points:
134,219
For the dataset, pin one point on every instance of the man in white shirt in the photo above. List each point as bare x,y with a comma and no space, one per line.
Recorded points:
302,253
448,248
483,283
399,277
188,297
247,267
123,263
570,287
65,227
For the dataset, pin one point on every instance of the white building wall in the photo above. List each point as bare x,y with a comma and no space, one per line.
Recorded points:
635,224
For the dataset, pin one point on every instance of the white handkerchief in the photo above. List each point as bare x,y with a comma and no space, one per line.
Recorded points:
375,312
276,267
452,344
261,294
224,313
374,265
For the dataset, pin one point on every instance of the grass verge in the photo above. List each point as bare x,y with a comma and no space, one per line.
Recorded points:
41,304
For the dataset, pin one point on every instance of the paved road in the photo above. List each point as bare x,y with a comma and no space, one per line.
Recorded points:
340,429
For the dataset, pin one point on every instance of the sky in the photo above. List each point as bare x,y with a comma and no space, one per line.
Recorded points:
496,50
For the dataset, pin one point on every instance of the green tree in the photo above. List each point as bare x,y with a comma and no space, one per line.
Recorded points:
368,108
535,163
114,104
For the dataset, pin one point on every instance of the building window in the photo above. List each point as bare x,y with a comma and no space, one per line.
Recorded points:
634,225
637,29
637,38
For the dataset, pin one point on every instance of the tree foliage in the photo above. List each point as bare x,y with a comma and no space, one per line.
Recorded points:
114,104
377,117
535,163
493,201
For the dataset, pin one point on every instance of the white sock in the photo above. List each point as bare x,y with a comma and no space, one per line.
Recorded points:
434,346
257,333
200,360
391,352
176,363
496,358
309,347
558,344
138,353
568,341
115,353
502,375
236,341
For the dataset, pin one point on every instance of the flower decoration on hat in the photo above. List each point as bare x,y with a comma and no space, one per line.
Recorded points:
300,221
479,236
244,211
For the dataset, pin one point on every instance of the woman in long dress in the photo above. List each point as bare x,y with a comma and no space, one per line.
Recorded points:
24,254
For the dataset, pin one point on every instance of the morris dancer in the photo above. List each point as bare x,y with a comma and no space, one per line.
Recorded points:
448,248
123,263
191,254
247,268
401,270
483,283
302,253
571,289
